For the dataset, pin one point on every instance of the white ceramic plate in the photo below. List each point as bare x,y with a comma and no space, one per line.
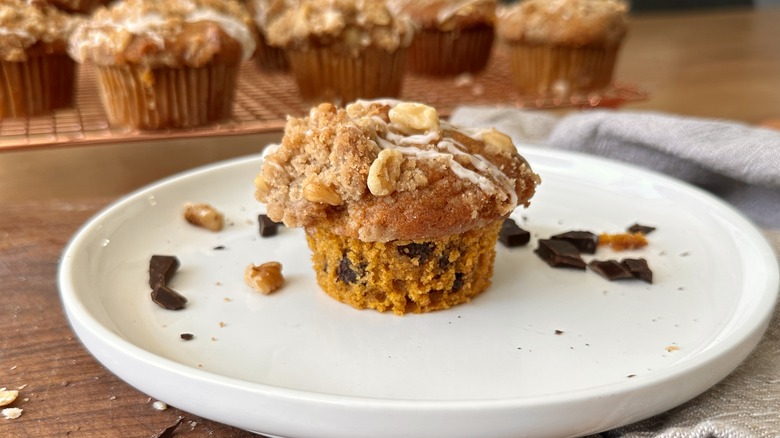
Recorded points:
544,352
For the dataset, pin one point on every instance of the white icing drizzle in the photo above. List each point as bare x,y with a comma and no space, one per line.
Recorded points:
96,34
230,25
269,149
445,149
17,32
446,12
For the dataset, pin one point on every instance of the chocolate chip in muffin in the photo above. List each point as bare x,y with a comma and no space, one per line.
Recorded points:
458,283
349,273
417,250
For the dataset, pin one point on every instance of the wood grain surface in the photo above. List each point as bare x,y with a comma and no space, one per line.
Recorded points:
63,391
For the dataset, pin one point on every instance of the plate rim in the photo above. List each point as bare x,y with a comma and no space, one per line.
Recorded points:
739,344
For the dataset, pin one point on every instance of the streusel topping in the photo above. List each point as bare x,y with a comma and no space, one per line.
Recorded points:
265,10
24,23
350,24
386,170
568,22
172,33
447,14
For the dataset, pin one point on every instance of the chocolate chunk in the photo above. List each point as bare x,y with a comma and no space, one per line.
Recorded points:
610,269
639,269
267,226
444,261
349,273
218,248
559,254
585,241
168,298
161,269
637,228
458,283
417,250
187,336
511,235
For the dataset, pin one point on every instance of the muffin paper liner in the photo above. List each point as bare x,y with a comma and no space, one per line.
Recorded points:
36,86
440,53
269,58
561,71
162,98
326,75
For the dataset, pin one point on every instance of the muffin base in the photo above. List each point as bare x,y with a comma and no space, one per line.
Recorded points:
36,86
561,71
404,276
162,98
269,58
326,74
439,53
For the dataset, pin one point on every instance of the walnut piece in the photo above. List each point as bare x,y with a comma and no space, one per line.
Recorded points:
384,172
263,189
412,117
265,278
7,396
204,215
11,413
315,191
498,142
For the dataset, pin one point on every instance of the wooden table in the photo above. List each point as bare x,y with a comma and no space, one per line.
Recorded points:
722,64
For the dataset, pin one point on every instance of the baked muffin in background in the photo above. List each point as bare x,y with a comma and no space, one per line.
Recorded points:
401,209
77,6
451,36
171,64
267,57
342,50
36,73
563,47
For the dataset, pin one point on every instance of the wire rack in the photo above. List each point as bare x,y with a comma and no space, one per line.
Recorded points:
264,100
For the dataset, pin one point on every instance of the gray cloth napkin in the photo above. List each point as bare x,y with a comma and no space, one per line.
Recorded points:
738,162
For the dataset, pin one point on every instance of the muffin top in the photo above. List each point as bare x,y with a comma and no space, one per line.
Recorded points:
263,10
387,170
566,22
25,23
173,33
349,25
447,15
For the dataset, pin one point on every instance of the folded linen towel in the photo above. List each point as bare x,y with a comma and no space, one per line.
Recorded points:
737,162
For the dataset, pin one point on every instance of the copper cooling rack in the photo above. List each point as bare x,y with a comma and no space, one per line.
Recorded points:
264,100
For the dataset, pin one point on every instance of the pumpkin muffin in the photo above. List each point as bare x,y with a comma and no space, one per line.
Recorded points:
267,57
452,36
171,64
342,50
563,47
36,73
401,209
